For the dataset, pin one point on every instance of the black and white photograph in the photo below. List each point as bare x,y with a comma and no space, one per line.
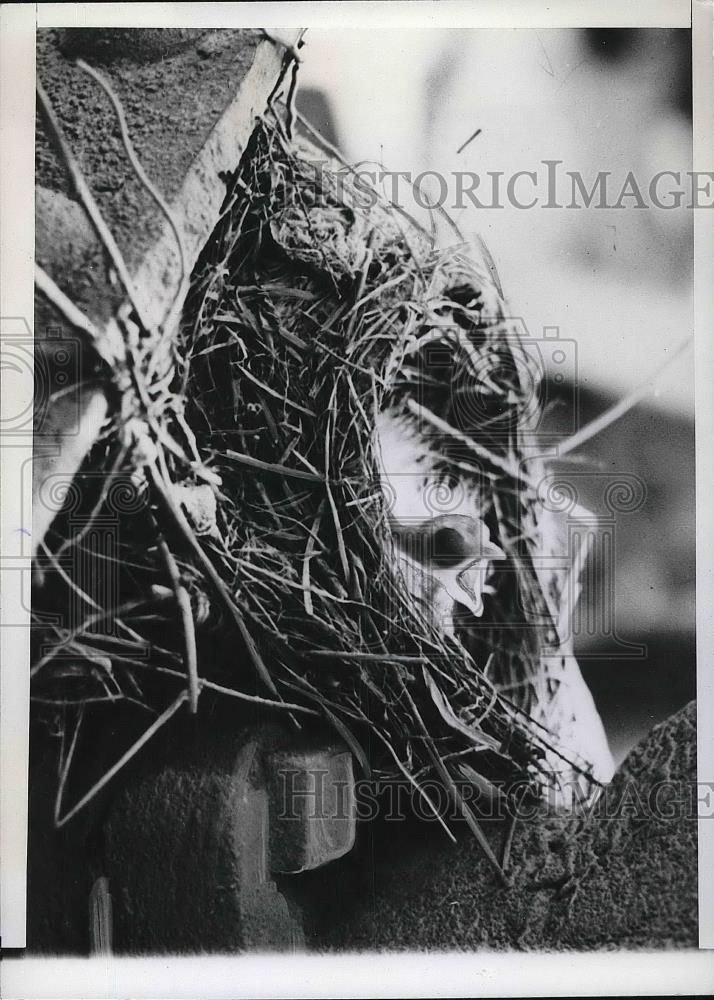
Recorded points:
354,595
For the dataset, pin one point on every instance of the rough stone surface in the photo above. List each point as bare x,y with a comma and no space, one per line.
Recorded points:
172,98
214,835
180,838
592,883
110,44
66,245
190,99
197,877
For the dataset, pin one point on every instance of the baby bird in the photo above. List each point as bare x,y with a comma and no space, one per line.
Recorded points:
443,557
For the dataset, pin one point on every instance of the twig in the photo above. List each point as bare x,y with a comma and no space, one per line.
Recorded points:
168,320
288,46
124,759
420,789
309,552
73,540
470,139
426,415
281,470
290,59
73,634
74,315
57,566
66,764
89,204
290,100
184,527
203,682
189,633
367,657
446,777
620,409
330,498
508,842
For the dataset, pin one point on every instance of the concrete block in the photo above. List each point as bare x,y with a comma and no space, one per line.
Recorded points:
200,847
186,855
312,807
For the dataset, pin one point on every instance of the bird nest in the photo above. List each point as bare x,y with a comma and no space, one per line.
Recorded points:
255,555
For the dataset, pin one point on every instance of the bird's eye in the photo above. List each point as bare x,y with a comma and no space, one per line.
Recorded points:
449,547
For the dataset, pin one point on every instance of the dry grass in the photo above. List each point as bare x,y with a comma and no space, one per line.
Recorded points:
308,315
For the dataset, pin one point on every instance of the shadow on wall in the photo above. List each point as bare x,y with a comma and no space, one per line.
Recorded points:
314,105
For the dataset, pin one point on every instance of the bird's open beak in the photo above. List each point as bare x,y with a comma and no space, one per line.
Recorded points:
465,582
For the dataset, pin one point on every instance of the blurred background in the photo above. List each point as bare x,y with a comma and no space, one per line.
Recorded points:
614,285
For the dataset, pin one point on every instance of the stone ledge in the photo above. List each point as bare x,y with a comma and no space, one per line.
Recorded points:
190,105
